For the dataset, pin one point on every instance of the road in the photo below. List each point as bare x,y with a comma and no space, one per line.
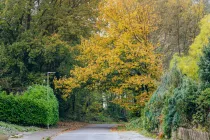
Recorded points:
99,132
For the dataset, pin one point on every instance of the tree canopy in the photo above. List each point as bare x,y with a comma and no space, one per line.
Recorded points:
120,58
38,36
189,63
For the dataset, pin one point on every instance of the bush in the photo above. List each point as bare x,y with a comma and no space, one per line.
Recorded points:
173,104
34,107
202,116
134,124
154,108
180,101
180,107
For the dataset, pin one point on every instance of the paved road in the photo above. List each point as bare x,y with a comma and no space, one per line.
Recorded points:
99,132
39,135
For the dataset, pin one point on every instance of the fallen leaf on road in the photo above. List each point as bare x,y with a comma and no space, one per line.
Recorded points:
70,126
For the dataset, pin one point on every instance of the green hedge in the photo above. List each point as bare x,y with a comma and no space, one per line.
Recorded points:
34,107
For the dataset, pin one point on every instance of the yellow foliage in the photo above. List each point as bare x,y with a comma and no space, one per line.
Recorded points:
189,64
120,58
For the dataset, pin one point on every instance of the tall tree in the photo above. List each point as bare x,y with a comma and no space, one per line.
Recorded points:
37,36
189,64
120,59
178,26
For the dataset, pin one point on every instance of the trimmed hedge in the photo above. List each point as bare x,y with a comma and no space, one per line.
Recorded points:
34,107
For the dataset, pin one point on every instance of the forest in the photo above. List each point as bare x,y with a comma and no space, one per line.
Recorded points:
145,62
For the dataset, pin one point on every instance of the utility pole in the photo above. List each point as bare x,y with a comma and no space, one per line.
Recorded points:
48,85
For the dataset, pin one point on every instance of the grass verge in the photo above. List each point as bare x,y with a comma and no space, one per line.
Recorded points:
11,129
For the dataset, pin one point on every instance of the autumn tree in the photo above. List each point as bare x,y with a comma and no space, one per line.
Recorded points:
178,26
189,64
119,59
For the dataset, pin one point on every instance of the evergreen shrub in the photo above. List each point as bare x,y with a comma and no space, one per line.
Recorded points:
34,107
